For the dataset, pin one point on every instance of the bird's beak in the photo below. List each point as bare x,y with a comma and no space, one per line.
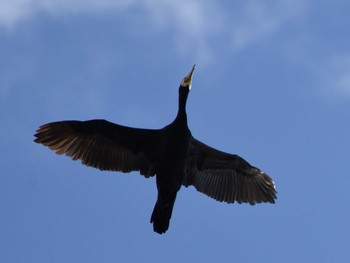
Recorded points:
187,81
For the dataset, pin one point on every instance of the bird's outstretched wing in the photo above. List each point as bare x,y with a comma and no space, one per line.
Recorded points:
103,145
226,177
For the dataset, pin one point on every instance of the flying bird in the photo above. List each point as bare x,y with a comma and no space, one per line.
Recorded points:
171,154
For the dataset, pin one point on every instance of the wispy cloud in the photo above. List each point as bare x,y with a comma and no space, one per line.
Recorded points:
335,76
256,20
13,12
195,24
187,19
200,29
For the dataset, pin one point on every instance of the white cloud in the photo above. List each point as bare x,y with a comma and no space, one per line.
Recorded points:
13,12
193,22
188,19
196,24
256,20
198,27
330,74
344,83
337,74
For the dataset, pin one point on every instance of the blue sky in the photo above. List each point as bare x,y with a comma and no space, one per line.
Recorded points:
272,85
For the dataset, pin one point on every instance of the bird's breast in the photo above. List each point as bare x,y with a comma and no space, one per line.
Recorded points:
175,147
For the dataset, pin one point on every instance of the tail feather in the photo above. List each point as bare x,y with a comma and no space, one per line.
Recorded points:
161,216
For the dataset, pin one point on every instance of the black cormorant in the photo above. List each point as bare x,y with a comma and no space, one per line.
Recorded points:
170,153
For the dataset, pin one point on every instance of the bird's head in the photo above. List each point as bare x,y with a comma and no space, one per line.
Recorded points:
187,81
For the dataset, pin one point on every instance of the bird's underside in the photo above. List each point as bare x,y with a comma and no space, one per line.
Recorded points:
112,147
107,146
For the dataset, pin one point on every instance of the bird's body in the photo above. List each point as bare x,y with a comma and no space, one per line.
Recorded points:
171,153
172,162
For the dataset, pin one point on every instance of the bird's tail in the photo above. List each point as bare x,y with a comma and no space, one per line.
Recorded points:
161,214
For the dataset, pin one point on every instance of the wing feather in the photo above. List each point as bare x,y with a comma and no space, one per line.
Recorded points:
226,177
103,145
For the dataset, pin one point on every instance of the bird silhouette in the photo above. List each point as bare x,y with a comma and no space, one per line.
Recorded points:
171,154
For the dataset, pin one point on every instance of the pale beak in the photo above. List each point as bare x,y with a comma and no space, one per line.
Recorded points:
187,81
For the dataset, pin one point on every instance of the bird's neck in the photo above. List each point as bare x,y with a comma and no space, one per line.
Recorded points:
181,114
